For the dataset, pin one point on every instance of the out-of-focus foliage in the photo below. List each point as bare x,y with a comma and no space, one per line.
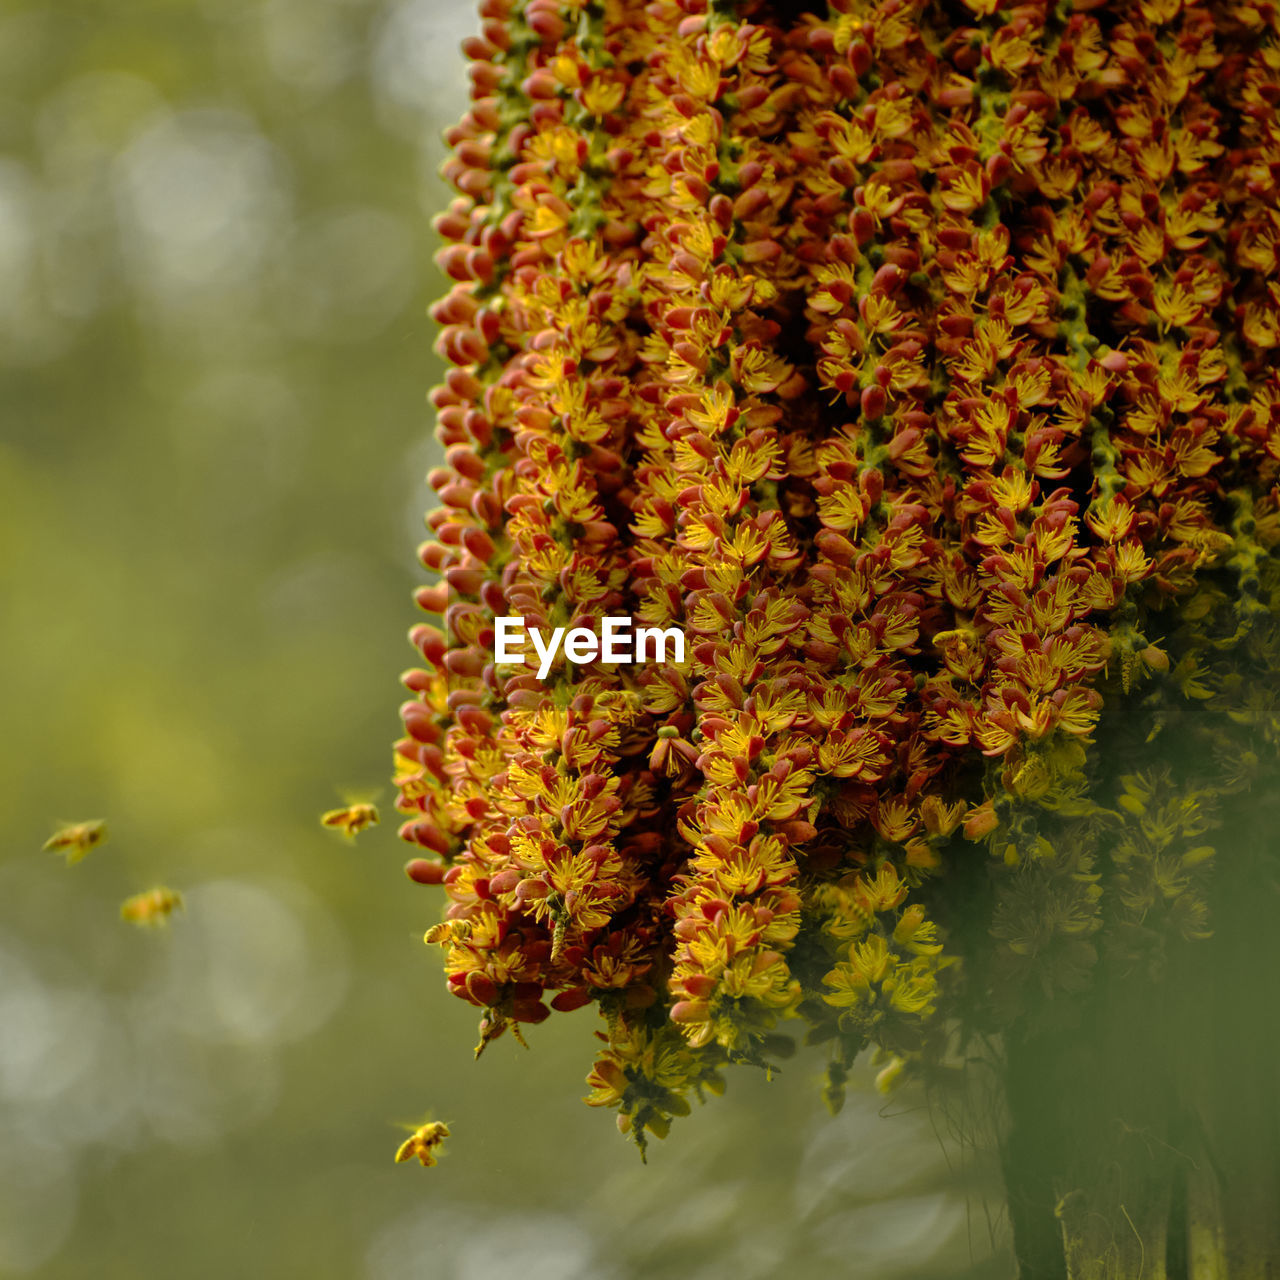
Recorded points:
214,259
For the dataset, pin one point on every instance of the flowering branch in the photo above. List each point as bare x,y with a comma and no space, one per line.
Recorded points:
919,361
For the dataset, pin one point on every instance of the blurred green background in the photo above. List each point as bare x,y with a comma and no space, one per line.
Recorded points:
214,267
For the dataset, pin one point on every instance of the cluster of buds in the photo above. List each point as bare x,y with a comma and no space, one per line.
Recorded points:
922,369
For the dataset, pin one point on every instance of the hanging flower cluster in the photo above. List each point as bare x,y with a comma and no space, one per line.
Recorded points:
919,361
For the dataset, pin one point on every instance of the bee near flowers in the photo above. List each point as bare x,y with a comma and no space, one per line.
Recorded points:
351,819
74,840
152,908
425,1144
917,364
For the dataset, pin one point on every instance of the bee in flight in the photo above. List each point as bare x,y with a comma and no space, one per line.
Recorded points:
151,908
352,818
75,839
424,1142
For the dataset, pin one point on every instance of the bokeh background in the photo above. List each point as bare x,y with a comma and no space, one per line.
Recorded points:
215,259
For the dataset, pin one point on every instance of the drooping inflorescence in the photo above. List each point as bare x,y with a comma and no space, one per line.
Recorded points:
918,360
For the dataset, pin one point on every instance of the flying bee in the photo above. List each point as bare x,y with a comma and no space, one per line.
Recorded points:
151,908
351,819
75,839
424,1142
448,932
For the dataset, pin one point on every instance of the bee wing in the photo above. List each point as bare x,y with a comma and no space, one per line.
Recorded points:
361,795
